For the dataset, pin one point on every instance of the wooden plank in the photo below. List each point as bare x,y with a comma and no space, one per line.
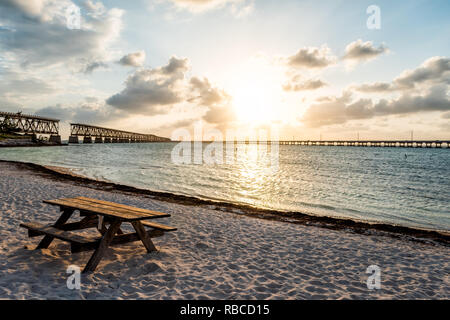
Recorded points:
68,227
47,240
110,212
118,239
102,246
158,226
113,209
140,230
123,206
57,233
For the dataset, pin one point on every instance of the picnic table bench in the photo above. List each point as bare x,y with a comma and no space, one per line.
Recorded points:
107,217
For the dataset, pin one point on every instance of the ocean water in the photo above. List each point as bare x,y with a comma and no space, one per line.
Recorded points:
409,187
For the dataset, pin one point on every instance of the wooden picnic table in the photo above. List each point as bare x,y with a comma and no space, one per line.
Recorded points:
107,217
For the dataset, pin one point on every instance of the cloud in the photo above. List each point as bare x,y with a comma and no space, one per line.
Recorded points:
15,84
220,115
375,87
37,33
360,51
217,100
295,84
148,91
157,91
88,69
88,113
436,99
343,109
433,71
135,59
311,57
239,8
206,94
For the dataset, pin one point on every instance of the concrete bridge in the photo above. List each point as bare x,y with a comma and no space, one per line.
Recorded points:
94,134
32,125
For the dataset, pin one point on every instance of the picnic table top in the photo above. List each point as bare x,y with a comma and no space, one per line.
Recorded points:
106,208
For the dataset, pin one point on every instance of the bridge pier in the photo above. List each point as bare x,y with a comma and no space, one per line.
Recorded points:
55,139
107,140
73,139
87,139
98,140
115,140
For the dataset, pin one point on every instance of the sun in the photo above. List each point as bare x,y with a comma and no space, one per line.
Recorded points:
256,94
254,104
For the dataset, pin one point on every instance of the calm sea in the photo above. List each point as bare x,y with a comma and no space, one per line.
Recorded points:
409,187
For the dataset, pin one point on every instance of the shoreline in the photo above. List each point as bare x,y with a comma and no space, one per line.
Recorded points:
359,227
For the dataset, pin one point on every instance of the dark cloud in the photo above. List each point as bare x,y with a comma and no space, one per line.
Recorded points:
311,57
135,59
363,51
155,91
152,91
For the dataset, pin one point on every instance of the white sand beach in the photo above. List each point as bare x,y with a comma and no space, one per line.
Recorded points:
213,255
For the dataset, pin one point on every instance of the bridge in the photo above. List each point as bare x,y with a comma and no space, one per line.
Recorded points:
361,143
29,124
107,135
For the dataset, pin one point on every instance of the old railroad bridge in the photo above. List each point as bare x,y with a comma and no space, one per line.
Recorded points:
33,125
105,135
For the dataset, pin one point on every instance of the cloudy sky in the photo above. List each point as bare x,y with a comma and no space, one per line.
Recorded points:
151,66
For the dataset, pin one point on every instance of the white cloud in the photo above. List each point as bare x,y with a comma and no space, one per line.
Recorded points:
135,59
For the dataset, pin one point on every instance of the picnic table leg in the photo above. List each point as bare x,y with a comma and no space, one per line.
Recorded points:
47,240
103,245
142,234
103,229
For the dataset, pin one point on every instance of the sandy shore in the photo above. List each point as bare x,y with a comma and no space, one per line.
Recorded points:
213,255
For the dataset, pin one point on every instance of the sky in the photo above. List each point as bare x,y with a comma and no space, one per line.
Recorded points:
328,69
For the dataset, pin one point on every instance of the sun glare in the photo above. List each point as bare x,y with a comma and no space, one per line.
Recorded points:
256,94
